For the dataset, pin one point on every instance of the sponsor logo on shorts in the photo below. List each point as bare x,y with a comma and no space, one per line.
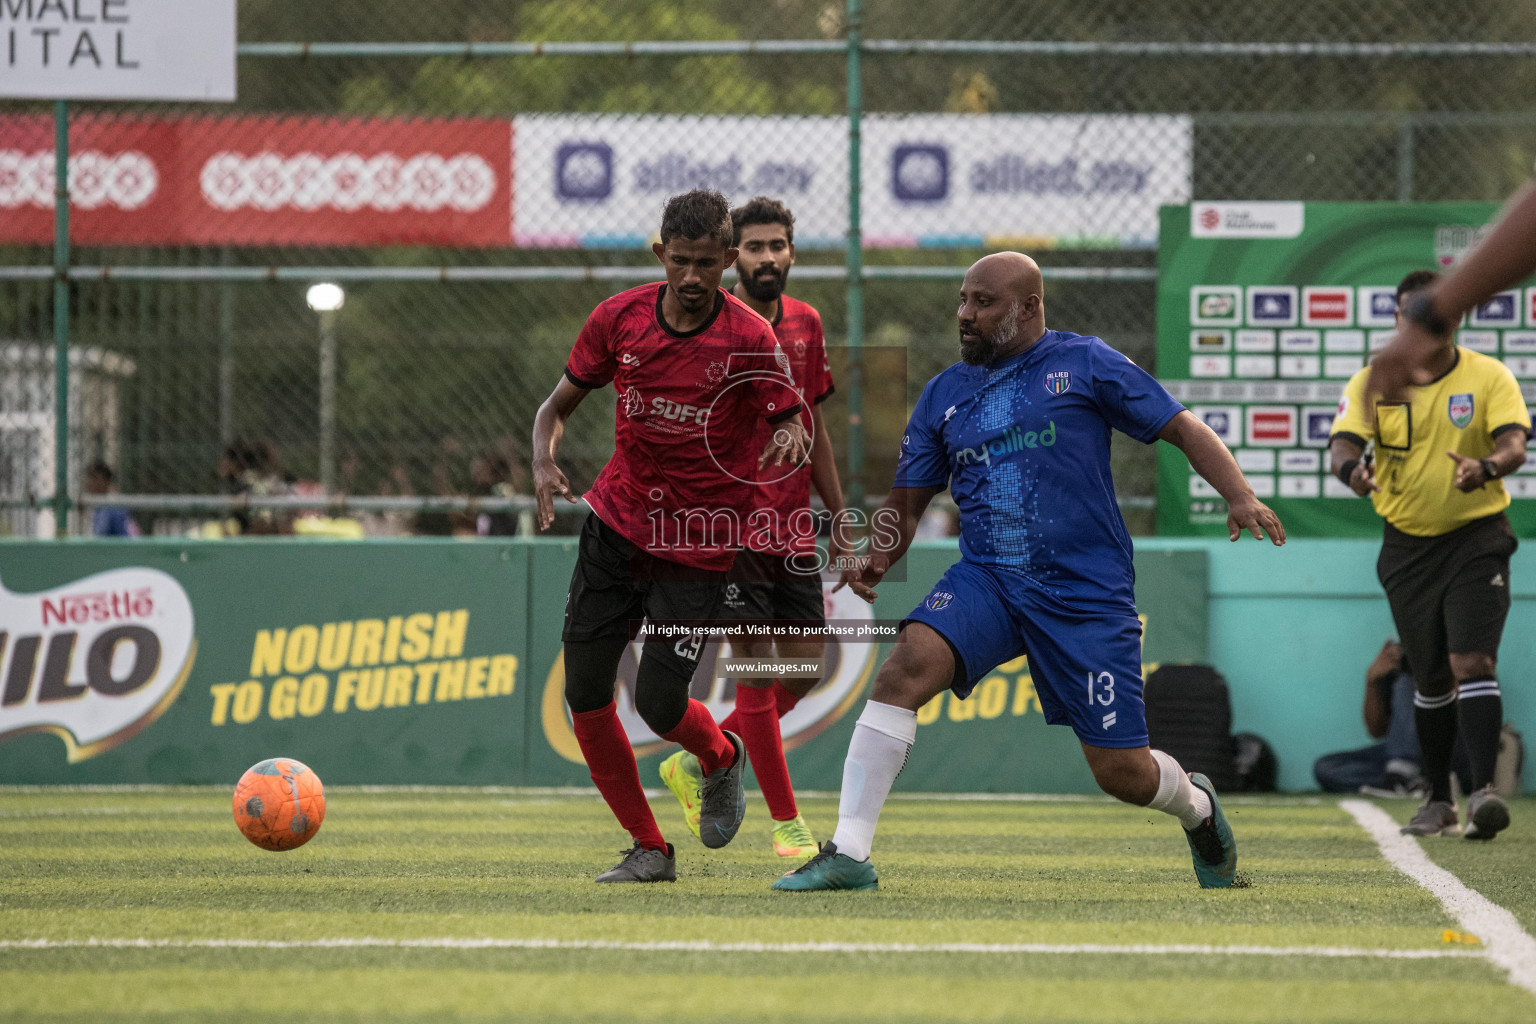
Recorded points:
1497,581
1460,409
1058,382
1109,720
939,600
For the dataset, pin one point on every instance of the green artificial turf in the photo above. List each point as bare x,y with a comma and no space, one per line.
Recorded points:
170,865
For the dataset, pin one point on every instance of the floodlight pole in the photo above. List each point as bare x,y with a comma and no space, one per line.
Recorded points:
855,258
60,318
328,400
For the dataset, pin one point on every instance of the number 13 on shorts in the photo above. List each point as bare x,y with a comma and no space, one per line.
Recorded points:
1101,689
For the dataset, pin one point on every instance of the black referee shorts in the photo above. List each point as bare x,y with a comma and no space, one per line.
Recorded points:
773,588
1449,595
616,584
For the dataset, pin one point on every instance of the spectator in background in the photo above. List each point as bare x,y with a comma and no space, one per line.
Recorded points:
1391,767
399,523
264,478
234,462
490,477
107,520
447,481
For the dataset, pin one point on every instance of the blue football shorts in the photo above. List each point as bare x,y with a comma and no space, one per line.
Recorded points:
1085,657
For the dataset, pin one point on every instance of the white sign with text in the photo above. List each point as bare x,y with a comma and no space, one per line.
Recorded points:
928,179
117,49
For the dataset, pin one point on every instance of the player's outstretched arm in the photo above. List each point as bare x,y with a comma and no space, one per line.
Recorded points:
1210,458
548,429
1505,256
892,528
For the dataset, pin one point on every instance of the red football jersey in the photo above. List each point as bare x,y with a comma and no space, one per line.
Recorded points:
784,528
687,428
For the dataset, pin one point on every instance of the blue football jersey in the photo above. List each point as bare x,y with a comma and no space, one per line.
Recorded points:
1023,445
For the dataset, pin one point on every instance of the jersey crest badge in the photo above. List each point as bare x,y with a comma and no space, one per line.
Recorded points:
1460,409
939,600
1058,382
634,402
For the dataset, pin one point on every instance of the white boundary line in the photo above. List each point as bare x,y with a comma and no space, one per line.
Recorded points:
1509,945
587,792
743,947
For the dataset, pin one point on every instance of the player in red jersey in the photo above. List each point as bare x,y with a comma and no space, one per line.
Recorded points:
776,576
697,373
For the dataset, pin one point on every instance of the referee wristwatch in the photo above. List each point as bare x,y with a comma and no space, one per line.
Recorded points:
1490,469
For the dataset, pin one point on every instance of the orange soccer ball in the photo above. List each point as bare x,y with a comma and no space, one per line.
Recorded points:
279,804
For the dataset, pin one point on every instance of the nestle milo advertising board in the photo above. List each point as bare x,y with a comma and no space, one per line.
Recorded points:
437,663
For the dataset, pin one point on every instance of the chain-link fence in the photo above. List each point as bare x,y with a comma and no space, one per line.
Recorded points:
477,176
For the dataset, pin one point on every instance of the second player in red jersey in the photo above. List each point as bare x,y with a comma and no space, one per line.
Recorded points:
696,372
776,577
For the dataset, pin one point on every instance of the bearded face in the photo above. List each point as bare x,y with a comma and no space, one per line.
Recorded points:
982,338
766,283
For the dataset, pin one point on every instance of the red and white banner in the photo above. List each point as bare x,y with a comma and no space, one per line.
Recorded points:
262,181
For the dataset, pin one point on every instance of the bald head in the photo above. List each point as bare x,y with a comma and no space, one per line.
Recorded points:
1010,273
1002,307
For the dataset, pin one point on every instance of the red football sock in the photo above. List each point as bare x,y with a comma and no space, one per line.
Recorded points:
784,703
758,718
698,734
783,699
612,764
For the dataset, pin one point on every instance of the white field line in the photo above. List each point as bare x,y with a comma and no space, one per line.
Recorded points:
1508,945
745,947
587,792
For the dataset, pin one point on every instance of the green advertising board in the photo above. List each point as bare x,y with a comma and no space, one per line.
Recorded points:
1264,312
436,663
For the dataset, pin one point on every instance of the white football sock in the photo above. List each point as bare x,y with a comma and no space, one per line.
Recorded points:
1176,795
876,754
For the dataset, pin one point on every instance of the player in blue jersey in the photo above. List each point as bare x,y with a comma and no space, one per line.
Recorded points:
1019,434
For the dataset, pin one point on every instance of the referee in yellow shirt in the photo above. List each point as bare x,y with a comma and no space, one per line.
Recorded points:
1444,559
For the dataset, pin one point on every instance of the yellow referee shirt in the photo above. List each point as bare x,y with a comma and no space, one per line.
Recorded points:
1462,412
